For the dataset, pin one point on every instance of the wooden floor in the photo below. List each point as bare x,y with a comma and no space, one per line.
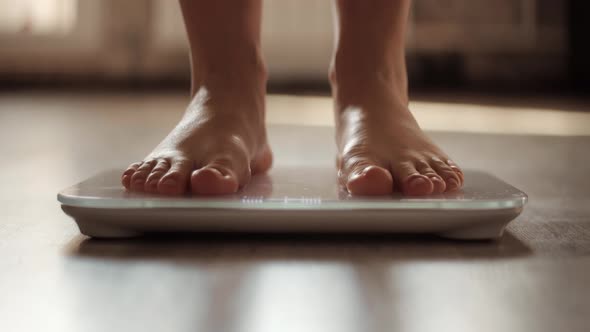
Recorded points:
536,278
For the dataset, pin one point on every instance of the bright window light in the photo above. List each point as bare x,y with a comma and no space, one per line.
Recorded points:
37,17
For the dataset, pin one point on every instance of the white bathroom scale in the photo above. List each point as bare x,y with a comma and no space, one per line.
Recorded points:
293,199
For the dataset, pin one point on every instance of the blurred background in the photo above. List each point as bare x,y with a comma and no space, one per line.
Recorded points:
77,71
78,77
501,45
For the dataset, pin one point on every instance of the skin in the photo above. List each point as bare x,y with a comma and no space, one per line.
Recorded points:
381,146
221,139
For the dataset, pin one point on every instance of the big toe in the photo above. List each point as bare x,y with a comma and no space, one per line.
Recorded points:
212,180
372,180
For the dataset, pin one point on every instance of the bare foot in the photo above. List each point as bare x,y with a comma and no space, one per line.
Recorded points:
218,144
381,146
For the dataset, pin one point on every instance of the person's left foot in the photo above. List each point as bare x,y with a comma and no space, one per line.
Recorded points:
381,146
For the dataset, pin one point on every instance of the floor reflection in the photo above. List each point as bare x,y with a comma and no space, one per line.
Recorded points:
254,282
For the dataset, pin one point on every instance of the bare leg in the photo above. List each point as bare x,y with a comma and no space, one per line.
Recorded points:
381,147
221,138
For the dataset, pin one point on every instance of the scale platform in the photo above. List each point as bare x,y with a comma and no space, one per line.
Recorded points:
293,199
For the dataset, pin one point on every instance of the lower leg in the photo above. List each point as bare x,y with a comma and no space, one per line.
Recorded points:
381,147
370,45
224,40
221,138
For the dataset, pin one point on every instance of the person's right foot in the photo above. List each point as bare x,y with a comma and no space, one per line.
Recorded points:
220,141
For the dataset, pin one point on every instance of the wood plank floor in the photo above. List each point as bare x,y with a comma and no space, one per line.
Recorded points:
536,278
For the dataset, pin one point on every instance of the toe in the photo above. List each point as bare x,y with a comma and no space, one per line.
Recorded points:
370,180
362,175
213,181
161,168
263,161
138,178
417,185
457,170
175,180
438,183
126,177
439,186
220,176
413,183
452,179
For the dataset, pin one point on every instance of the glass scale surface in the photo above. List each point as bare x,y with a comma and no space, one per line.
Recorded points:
293,199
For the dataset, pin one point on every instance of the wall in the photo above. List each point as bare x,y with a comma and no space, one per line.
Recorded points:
449,41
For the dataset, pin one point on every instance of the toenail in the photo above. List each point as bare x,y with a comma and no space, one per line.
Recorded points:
139,181
169,182
153,182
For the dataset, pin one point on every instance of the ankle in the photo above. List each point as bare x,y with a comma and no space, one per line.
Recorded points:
372,90
366,88
363,76
242,69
